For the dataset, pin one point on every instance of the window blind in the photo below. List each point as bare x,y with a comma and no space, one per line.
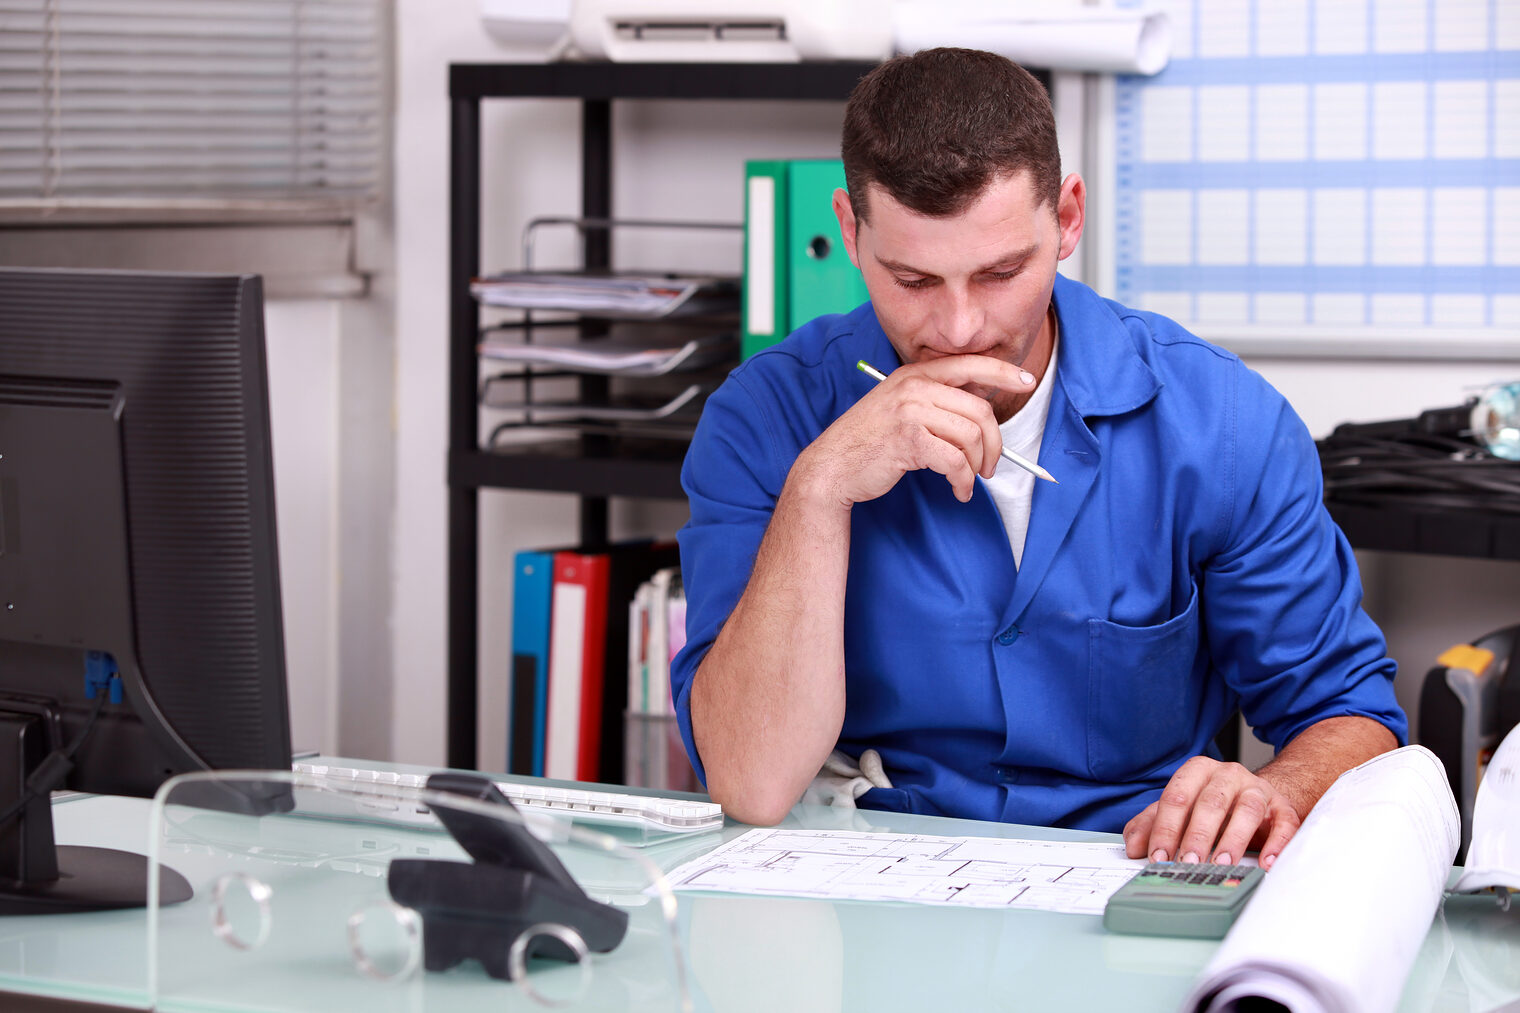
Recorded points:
235,104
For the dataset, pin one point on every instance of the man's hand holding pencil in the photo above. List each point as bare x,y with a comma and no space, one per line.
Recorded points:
918,417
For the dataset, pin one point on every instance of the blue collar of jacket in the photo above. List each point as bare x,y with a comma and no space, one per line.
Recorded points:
1099,368
1100,371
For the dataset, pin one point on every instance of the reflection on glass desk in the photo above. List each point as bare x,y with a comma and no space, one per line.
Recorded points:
740,953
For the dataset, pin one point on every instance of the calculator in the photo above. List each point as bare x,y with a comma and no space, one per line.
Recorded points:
1197,900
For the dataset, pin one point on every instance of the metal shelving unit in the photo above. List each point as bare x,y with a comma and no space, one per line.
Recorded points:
591,467
1392,526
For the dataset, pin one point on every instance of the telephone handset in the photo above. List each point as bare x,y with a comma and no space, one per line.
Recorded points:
479,909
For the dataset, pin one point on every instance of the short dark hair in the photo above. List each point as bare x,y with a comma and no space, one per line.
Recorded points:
935,128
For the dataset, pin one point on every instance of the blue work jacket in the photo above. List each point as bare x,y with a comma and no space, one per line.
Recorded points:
1185,565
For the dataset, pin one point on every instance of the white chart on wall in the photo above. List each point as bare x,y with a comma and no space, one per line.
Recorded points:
1347,169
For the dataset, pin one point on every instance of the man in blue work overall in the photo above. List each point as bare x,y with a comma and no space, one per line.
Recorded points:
863,570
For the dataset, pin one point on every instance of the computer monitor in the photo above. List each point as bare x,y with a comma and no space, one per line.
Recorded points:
140,627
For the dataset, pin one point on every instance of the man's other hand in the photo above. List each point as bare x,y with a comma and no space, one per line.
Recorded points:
1212,812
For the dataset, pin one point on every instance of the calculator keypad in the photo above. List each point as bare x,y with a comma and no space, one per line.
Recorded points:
1193,900
1200,873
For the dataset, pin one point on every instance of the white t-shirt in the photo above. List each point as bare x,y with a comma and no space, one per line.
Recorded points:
1012,487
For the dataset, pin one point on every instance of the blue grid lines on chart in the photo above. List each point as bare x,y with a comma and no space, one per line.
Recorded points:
1349,164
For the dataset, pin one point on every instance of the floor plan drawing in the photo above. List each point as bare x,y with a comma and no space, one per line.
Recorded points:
968,871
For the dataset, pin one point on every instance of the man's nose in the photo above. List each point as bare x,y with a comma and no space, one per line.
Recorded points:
959,319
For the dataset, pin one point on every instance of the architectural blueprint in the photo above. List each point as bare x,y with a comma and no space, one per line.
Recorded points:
965,871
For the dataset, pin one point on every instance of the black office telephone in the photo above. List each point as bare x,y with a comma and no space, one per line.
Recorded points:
479,909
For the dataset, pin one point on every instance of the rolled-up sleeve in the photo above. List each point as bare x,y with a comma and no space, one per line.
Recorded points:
1282,598
732,475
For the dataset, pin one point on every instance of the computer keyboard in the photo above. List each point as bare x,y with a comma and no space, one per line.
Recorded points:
581,805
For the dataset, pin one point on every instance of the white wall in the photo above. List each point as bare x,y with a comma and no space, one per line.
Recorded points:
302,358
684,160
428,36
329,364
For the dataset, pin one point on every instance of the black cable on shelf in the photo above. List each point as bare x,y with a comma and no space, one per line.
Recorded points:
1419,466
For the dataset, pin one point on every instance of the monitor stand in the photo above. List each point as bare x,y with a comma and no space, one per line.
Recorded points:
39,877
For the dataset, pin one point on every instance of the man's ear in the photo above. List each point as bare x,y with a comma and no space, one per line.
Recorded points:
1071,212
846,215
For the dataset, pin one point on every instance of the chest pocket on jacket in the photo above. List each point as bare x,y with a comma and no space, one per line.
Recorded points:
1143,693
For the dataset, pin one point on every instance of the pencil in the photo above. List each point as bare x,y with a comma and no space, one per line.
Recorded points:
1029,466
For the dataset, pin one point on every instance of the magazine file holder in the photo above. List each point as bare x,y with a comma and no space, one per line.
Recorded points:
295,911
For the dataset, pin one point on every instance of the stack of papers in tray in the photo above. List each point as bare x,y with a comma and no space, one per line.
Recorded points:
619,357
687,402
614,295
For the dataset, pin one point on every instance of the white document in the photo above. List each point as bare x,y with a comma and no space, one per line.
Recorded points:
1493,856
615,357
625,295
1337,923
1101,39
956,871
657,652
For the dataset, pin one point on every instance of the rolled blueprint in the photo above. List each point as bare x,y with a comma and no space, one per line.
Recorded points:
1493,857
1102,39
1337,924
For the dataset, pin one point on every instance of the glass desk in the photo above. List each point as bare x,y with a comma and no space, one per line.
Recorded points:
757,953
